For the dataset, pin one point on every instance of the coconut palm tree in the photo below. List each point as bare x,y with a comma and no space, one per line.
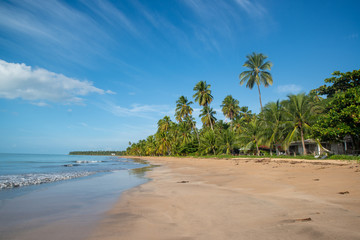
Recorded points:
164,124
230,107
183,109
258,73
228,140
298,110
203,96
252,135
207,116
273,118
209,142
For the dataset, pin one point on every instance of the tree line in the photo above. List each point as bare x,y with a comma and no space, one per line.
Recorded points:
102,153
328,113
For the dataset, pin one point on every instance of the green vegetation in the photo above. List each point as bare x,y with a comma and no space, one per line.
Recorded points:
103,153
257,74
329,113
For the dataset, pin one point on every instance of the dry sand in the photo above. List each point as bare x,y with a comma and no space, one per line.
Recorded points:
249,199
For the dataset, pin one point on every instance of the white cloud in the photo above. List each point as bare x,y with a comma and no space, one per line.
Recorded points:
17,80
137,110
289,88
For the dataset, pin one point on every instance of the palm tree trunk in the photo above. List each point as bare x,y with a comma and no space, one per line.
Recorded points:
257,150
260,98
210,121
303,141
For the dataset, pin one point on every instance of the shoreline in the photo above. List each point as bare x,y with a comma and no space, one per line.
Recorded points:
195,198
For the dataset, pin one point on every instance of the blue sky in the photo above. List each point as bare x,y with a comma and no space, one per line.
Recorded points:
91,75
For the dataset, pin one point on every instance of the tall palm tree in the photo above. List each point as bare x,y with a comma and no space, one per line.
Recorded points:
203,96
207,116
298,110
183,109
230,107
258,73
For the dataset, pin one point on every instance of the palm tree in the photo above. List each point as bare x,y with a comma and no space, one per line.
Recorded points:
207,116
163,143
183,109
150,145
252,135
185,133
230,107
273,118
203,96
298,110
209,142
258,73
164,124
228,140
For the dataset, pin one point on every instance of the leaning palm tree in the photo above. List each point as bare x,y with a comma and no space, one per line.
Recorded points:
207,116
230,107
258,73
183,109
203,95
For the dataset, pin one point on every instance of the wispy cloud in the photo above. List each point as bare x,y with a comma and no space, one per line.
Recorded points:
289,88
67,32
137,110
216,21
252,8
17,80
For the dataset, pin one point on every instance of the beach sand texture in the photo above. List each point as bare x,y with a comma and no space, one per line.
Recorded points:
190,198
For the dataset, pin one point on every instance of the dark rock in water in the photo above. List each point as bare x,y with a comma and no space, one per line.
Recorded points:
71,165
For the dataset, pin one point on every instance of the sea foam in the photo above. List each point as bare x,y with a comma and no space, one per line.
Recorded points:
12,181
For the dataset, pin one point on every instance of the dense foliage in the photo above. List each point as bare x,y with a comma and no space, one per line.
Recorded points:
297,118
105,153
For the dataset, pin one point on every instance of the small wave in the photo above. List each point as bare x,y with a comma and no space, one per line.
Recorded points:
13,181
84,161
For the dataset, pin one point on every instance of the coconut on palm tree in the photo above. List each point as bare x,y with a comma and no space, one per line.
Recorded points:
258,73
203,96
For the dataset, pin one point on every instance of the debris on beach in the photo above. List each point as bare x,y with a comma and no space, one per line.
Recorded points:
297,220
183,182
346,192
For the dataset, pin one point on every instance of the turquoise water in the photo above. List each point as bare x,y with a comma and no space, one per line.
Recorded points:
17,170
60,196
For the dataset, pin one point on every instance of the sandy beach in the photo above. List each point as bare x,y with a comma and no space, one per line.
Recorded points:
246,199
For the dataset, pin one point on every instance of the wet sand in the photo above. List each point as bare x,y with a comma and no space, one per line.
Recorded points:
239,199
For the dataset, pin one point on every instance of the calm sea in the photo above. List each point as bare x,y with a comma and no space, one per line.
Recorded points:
60,196
17,170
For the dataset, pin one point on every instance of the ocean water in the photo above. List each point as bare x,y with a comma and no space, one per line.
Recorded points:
60,196
17,170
